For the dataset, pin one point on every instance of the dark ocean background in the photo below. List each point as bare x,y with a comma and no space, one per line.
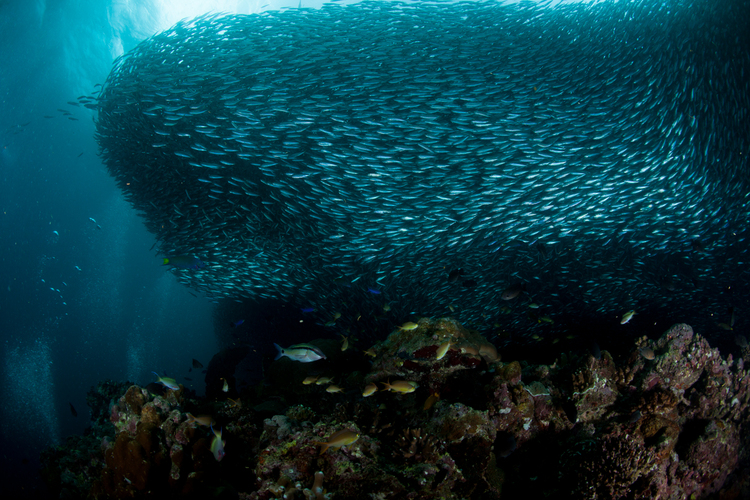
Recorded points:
84,295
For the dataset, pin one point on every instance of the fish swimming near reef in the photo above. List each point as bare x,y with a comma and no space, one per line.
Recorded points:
647,353
431,400
217,445
409,325
304,353
204,420
197,364
627,317
369,390
402,386
442,350
73,410
167,382
339,439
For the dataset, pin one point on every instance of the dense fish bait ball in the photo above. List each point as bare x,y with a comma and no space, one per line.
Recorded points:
352,157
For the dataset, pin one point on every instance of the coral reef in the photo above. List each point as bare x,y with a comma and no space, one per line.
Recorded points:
666,423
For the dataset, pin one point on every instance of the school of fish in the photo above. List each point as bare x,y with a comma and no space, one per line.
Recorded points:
388,158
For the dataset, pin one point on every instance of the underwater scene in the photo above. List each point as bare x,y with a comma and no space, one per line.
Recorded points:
375,249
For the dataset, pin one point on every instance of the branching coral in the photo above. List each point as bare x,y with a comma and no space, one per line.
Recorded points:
412,444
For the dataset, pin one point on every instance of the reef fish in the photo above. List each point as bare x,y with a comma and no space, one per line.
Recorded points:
409,325
304,353
402,386
167,382
338,439
442,350
204,420
627,317
217,445
369,390
647,353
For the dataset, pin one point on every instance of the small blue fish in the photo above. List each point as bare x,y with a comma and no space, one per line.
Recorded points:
237,323
372,290
55,233
307,309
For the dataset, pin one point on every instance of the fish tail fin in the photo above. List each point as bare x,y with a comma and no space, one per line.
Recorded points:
280,352
324,447
157,375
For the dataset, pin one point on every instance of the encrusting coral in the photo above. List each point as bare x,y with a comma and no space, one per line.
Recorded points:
664,424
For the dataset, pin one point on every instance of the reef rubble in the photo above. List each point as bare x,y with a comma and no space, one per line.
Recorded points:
669,422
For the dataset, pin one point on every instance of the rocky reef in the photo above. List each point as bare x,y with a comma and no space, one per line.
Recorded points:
667,421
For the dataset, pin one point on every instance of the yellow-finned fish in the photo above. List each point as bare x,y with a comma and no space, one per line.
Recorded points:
402,386
323,380
627,317
339,439
369,352
334,388
204,420
409,325
225,387
309,380
369,390
217,445
167,382
344,343
443,350
434,398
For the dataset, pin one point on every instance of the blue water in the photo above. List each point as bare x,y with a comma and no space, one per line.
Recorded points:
83,296
121,315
